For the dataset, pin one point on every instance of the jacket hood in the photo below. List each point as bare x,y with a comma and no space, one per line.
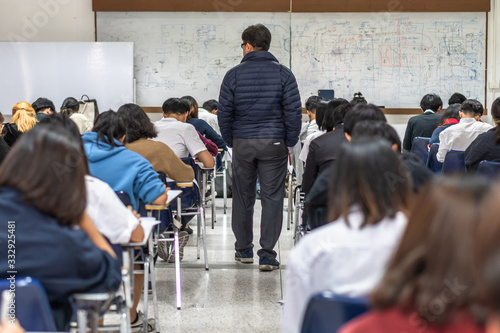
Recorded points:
98,152
259,55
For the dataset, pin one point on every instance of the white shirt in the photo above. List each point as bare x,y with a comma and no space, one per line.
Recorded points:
308,128
460,136
344,260
109,214
307,142
210,118
181,137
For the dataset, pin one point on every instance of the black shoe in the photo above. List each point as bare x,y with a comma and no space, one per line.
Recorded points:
245,256
268,264
188,229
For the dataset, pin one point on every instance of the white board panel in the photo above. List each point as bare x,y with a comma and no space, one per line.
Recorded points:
56,70
392,59
187,53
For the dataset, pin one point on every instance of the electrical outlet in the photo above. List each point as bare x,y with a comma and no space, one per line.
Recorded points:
494,85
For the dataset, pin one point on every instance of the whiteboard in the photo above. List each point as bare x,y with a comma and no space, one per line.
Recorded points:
187,53
393,59
57,70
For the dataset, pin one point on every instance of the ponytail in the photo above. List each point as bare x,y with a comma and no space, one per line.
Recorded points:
24,119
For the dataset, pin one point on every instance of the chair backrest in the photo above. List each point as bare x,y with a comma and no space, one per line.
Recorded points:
489,169
32,306
327,312
420,148
432,163
454,162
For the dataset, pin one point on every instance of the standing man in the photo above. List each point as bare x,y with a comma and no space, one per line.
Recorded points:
259,116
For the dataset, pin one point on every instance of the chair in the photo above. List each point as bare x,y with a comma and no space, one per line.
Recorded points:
454,162
326,312
32,306
300,227
488,169
221,167
432,163
420,148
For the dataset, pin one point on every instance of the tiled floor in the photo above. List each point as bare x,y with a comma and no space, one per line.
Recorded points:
230,297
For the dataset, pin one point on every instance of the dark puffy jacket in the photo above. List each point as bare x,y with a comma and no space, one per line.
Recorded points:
259,98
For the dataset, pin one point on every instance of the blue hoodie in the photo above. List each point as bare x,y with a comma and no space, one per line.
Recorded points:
122,169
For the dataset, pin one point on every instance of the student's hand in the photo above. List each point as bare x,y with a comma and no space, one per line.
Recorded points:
134,212
7,327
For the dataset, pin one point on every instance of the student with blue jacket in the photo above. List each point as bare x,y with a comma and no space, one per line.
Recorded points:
42,209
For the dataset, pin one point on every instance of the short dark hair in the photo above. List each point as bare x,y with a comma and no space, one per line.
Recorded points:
175,106
370,176
312,103
69,106
471,106
362,112
452,111
431,102
422,270
56,186
376,129
358,98
211,105
42,103
258,36
332,117
139,126
456,98
320,114
109,126
193,104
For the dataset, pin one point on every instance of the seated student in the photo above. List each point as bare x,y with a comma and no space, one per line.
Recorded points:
450,117
122,169
310,126
316,199
348,255
429,287
487,145
460,136
323,151
456,98
70,108
56,242
211,106
182,138
201,125
420,174
425,123
43,107
23,119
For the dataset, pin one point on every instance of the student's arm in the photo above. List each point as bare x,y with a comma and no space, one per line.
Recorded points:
444,146
292,111
161,199
212,135
205,158
88,226
225,111
138,233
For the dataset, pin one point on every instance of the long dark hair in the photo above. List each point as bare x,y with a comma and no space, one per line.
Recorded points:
452,111
369,176
69,106
495,113
435,253
109,126
193,104
47,167
139,126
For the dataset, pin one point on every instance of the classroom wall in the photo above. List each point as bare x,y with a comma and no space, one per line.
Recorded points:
74,20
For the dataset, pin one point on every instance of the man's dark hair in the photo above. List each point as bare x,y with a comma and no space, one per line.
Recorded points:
358,99
376,129
109,126
56,187
362,112
312,103
42,103
211,105
471,106
330,120
175,106
258,36
360,180
139,126
456,98
431,102
452,111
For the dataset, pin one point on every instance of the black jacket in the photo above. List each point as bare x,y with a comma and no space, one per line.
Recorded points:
422,125
483,148
4,149
323,151
11,133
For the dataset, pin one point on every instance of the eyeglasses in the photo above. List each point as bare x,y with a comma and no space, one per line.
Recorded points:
243,44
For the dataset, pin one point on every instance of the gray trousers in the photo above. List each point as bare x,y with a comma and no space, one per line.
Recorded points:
268,159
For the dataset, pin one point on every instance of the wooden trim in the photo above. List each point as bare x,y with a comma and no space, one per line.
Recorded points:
152,109
191,5
357,6
401,111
